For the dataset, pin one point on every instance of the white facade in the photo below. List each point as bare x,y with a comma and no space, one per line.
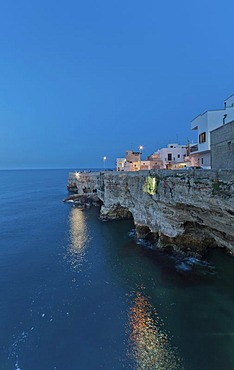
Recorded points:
173,155
120,162
229,102
206,122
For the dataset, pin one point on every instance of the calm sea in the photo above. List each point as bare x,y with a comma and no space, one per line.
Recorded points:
81,294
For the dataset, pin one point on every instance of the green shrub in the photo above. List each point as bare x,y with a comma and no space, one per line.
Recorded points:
150,185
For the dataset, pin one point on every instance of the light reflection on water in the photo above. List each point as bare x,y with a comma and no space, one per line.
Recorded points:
149,345
78,239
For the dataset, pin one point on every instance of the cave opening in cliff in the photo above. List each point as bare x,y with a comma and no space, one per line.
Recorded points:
122,213
144,232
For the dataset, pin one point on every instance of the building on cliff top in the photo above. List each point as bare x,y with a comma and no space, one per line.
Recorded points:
174,156
120,162
133,161
205,123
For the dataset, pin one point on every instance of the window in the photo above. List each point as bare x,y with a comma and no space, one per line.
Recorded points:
202,138
178,155
169,156
202,161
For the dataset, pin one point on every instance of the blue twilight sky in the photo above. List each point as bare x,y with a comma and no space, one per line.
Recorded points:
84,79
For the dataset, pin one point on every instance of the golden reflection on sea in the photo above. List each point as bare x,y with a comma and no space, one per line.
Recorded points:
149,346
78,239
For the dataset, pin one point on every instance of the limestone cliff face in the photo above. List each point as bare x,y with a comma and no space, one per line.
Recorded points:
190,209
83,182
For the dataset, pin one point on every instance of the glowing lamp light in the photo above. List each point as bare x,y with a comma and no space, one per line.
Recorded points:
104,162
141,148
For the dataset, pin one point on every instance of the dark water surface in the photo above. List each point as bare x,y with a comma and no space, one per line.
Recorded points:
81,294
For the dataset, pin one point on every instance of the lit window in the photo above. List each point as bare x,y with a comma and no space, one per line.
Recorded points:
202,138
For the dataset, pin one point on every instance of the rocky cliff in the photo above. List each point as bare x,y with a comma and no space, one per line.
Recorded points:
189,209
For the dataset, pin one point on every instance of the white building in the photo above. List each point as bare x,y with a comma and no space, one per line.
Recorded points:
173,156
120,162
206,122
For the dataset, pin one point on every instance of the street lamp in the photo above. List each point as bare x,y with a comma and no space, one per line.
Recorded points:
104,163
140,149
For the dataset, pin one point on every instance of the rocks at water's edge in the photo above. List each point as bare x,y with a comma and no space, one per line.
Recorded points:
83,201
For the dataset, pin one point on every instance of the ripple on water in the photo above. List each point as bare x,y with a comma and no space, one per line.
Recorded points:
79,239
149,345
192,264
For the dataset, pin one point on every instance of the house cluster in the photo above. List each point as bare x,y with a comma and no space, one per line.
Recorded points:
214,148
174,156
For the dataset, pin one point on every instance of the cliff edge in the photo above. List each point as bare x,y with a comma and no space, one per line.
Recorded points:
189,210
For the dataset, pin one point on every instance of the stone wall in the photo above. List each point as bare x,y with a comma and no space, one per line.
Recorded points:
222,147
187,209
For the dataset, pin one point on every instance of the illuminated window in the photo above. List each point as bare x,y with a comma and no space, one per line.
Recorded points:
202,138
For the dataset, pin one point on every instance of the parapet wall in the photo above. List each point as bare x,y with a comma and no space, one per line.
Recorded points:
222,146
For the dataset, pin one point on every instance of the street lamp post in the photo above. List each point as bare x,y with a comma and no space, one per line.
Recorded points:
104,163
141,149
